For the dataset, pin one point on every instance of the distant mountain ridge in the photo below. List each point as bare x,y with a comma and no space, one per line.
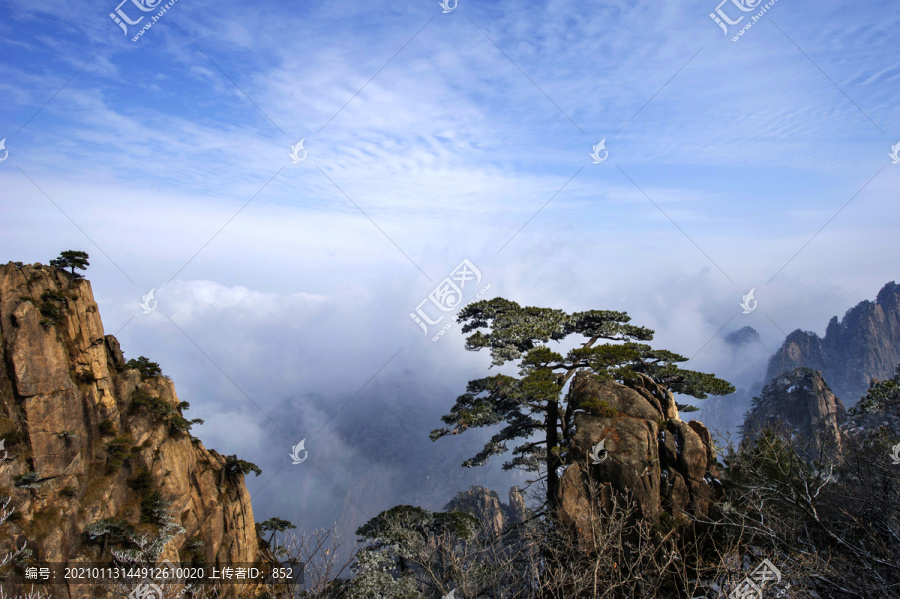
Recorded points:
862,346
742,336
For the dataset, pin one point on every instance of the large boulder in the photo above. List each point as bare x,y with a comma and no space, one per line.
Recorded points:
629,465
664,464
644,399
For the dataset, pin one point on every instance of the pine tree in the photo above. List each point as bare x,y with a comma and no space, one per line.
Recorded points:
274,525
72,259
532,405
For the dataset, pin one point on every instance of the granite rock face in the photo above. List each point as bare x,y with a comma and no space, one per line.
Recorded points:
801,402
517,510
668,465
485,504
862,346
76,423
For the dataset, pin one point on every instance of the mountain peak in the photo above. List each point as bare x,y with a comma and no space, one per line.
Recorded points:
863,345
801,401
742,336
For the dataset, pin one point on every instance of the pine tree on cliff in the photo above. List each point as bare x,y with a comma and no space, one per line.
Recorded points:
72,259
532,405
274,525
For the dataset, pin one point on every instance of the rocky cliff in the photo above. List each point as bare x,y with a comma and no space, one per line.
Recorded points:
667,464
486,505
864,345
97,451
802,402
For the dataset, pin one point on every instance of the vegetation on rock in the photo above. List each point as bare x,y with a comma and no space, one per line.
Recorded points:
72,260
274,526
234,467
881,396
145,367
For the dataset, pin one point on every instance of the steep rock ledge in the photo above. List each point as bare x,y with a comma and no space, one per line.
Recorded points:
78,428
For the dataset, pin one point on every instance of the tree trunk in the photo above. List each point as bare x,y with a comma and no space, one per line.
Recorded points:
553,461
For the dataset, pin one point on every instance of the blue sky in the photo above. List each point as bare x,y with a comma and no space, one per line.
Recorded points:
432,138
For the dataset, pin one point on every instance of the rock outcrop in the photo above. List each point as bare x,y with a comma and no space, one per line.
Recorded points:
89,439
864,345
742,336
518,513
801,402
486,505
668,465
